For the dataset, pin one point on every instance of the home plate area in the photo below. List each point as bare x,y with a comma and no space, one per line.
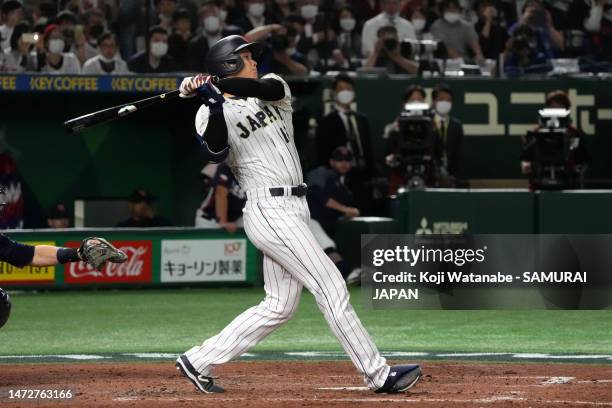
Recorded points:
321,383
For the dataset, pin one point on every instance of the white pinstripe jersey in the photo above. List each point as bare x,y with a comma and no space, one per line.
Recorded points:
260,135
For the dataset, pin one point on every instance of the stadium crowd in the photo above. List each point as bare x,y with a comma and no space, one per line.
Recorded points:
303,36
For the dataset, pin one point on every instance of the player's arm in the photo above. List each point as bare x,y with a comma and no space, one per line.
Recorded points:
266,89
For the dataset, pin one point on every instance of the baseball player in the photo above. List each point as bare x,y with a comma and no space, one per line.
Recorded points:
95,251
247,122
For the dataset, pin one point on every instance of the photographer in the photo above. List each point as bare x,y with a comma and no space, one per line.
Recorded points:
540,20
526,54
397,177
570,165
387,54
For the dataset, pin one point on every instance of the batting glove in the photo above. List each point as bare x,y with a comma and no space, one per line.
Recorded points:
211,95
191,84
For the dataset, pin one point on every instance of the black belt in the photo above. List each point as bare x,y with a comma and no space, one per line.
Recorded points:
298,191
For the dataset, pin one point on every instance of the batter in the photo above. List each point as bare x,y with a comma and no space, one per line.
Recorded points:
247,122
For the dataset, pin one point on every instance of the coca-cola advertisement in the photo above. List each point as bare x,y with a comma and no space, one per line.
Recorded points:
137,269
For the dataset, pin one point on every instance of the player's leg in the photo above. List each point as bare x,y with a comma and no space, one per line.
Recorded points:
283,293
281,231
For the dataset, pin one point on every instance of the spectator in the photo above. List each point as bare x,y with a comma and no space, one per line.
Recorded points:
329,199
420,23
366,9
66,22
595,16
255,15
224,209
280,10
53,59
58,217
11,13
549,39
316,38
213,29
387,54
21,56
129,18
155,60
165,10
178,41
450,130
457,35
578,158
142,213
108,61
347,127
348,41
285,58
491,36
388,17
95,26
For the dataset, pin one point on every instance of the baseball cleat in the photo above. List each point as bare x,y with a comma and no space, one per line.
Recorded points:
401,378
202,383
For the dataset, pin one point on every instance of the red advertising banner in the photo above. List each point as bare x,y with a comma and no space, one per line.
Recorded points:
137,269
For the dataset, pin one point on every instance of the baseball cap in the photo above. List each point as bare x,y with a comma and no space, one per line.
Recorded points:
142,195
341,153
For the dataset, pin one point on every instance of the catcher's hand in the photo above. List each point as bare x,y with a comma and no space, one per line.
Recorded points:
96,251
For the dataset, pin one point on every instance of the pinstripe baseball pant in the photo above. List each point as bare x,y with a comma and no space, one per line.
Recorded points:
278,226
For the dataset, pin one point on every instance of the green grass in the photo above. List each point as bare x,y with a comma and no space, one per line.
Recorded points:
175,320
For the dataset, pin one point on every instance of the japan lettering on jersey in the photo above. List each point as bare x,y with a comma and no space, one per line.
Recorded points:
260,136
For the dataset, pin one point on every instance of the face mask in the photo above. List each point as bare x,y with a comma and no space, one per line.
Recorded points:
309,11
291,51
56,46
347,24
107,67
419,24
345,97
107,60
212,24
257,9
451,17
443,107
159,49
222,15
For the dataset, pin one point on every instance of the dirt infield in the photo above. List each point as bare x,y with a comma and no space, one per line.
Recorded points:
300,384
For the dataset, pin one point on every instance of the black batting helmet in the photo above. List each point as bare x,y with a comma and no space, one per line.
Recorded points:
5,307
223,59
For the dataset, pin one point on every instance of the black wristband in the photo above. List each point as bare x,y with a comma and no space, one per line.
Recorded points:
65,255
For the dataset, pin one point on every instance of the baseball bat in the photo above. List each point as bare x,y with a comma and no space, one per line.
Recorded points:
109,114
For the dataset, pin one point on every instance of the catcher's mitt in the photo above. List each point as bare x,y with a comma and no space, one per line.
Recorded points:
96,251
